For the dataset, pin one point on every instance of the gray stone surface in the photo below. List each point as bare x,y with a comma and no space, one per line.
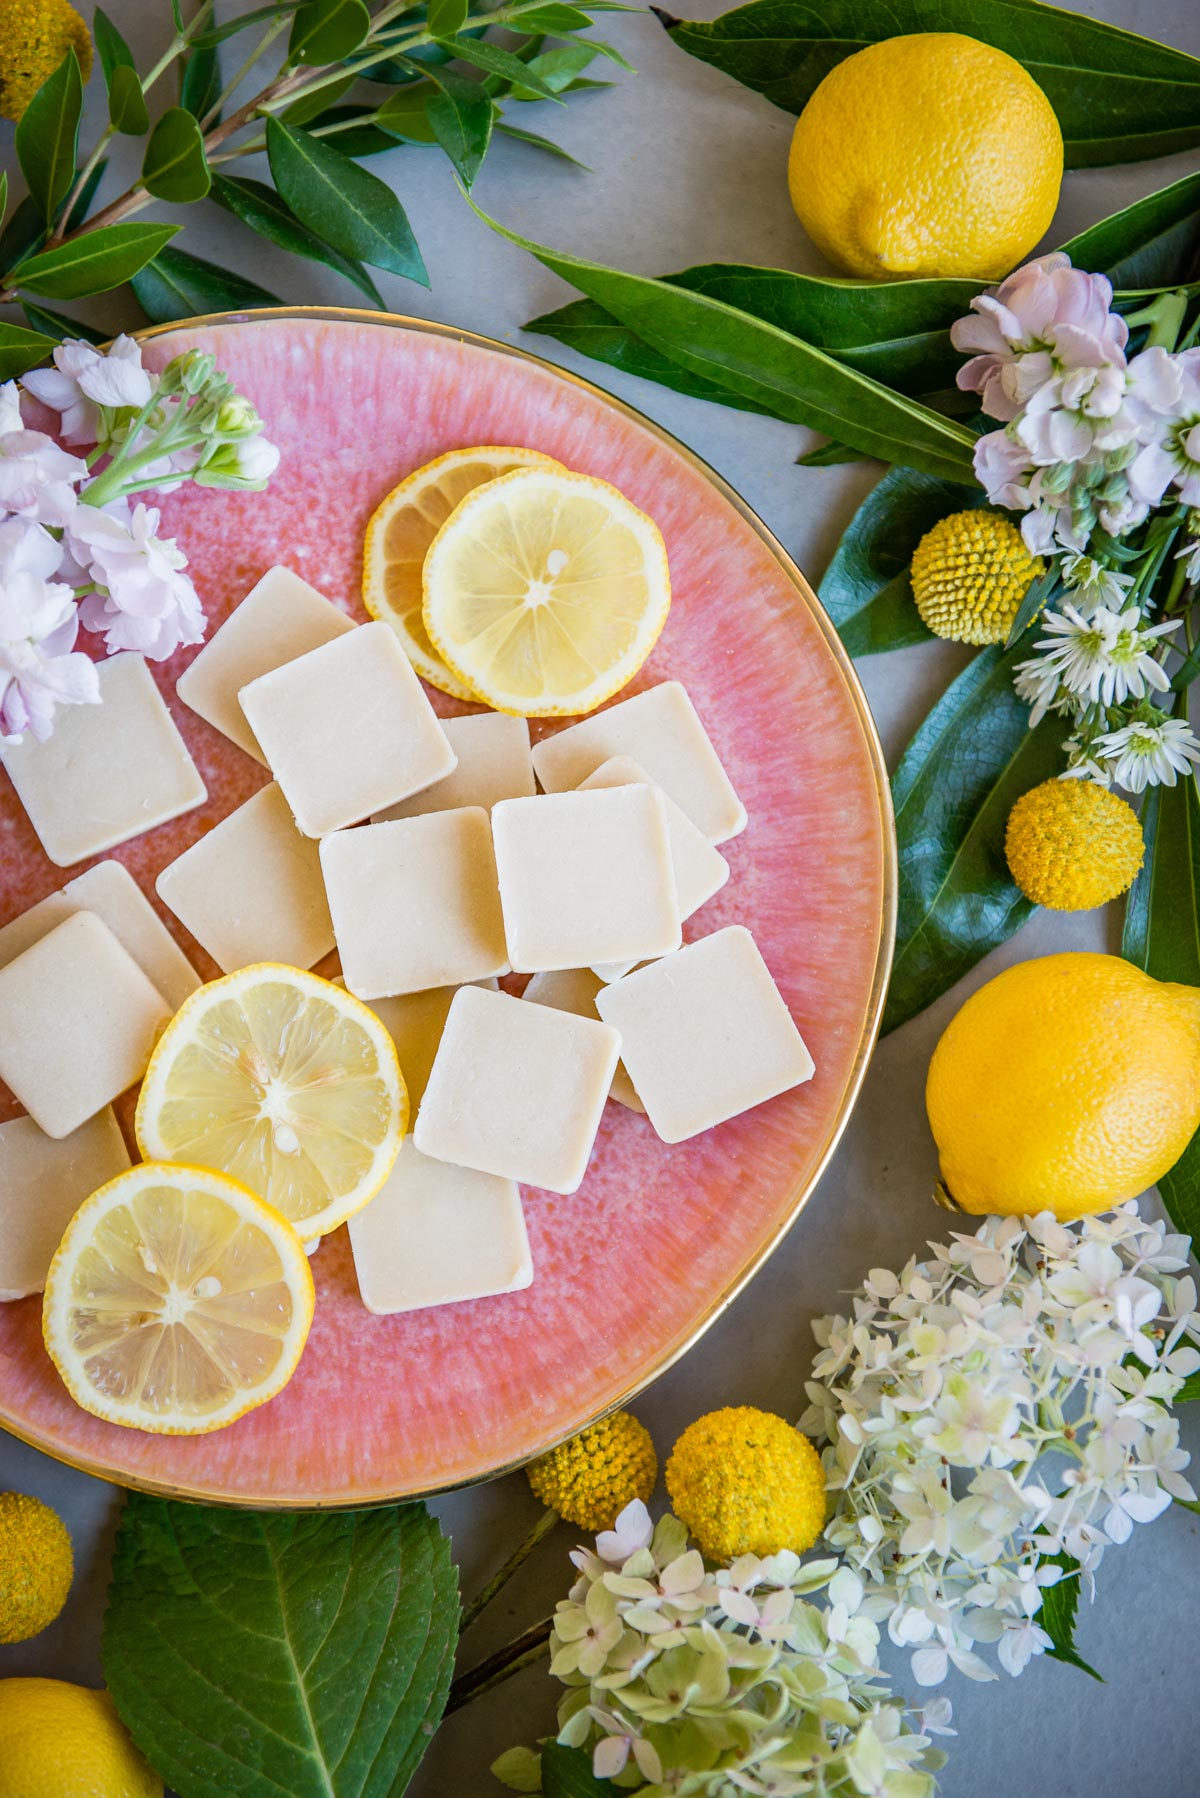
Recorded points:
689,167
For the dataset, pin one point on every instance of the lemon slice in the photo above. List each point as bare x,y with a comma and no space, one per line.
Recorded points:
286,1083
545,592
177,1301
398,538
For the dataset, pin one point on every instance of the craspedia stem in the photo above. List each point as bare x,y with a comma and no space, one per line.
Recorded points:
501,1577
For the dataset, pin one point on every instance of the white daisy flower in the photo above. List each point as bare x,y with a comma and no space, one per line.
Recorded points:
1149,755
1093,584
1037,682
1107,657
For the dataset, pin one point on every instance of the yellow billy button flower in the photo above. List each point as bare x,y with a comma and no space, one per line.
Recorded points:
745,1482
589,1480
1072,845
34,37
36,1565
969,576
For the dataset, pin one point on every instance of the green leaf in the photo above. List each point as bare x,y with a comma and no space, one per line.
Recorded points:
343,204
541,143
461,115
1162,911
176,285
59,327
325,31
957,781
1118,97
406,114
567,1773
47,136
555,70
21,350
591,329
358,140
113,51
1180,1192
830,454
494,61
446,18
779,372
127,110
1189,1392
866,589
1057,1615
269,1653
23,233
200,83
87,194
175,166
205,40
555,20
94,263
260,207
1152,243
317,108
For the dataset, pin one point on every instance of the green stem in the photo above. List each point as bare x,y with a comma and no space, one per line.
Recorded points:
231,87
533,1645
80,183
517,1558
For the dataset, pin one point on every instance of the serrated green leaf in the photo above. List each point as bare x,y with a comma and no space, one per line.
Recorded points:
326,31
48,135
446,18
1118,97
1057,1615
175,166
541,143
260,207
177,285
94,263
347,1621
866,589
59,327
113,51
1152,243
567,1773
21,350
777,371
494,61
200,83
957,781
127,110
343,204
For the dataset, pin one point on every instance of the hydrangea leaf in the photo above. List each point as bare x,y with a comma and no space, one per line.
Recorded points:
1057,1615
567,1773
262,1652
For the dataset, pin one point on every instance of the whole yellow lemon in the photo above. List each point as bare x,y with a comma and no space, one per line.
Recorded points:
926,155
1066,1084
63,1741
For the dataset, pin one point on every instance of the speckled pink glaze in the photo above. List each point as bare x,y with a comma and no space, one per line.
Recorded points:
658,1237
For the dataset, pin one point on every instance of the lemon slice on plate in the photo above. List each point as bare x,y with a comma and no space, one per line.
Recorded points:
545,591
398,538
177,1301
286,1083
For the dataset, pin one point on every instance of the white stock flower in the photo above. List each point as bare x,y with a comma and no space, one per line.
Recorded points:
38,480
39,668
84,379
1144,754
146,602
1171,456
10,409
1045,315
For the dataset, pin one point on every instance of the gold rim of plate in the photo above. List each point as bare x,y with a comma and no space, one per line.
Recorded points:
875,1000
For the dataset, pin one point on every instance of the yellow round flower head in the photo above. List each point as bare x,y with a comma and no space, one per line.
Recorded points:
36,36
36,1565
1072,845
745,1482
970,574
590,1479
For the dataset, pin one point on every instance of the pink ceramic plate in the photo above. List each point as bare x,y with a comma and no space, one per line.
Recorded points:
636,1265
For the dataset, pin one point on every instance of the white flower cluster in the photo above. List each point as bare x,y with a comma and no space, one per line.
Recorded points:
74,552
681,1680
1092,441
992,1415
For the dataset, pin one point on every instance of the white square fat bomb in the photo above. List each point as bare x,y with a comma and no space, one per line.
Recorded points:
586,878
43,1182
493,763
281,617
108,772
705,1034
415,1022
78,1020
251,890
661,731
517,1090
438,1235
574,990
347,730
415,903
111,892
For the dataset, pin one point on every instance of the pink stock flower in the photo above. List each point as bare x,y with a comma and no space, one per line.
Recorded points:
1171,457
38,669
82,380
1044,318
37,478
150,605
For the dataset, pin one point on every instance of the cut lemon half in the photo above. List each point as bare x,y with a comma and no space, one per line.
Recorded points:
177,1301
286,1083
545,591
398,538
